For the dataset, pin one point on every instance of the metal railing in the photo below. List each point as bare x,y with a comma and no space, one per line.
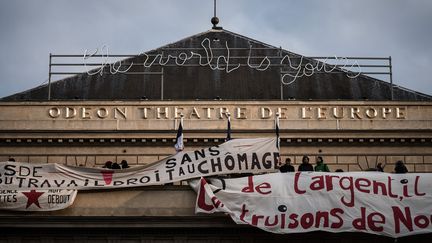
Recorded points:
62,65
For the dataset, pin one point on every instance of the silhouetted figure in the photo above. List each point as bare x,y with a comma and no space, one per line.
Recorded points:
108,165
400,168
124,164
305,166
379,167
115,166
11,159
339,170
321,166
287,167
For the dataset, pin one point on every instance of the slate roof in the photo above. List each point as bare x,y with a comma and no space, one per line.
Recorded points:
193,81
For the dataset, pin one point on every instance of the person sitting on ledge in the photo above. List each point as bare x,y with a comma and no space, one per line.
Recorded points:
321,166
400,168
305,166
287,167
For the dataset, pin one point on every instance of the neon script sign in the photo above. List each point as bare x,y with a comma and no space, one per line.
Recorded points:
304,67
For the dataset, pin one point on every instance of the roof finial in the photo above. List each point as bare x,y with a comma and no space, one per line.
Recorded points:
215,19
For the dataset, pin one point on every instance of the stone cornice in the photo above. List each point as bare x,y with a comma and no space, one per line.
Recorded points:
191,141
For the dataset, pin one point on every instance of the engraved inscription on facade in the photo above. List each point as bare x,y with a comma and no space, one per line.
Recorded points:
222,112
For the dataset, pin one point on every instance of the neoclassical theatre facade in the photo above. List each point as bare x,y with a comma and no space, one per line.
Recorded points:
354,123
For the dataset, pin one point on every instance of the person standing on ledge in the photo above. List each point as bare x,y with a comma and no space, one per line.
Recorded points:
305,166
379,167
321,166
287,167
400,168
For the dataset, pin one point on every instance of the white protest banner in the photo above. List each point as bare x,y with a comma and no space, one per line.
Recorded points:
234,156
36,200
394,205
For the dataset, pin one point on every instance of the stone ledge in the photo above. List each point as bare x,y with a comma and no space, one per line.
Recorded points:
29,221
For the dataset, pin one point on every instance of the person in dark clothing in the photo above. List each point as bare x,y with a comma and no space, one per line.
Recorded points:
305,166
115,166
321,166
11,159
108,165
287,167
379,167
400,168
124,164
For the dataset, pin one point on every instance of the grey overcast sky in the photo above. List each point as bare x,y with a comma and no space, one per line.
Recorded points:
30,30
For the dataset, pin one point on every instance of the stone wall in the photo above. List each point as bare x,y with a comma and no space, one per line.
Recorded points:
352,136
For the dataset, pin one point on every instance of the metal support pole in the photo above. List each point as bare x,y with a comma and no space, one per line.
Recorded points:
391,77
214,8
280,71
49,77
162,83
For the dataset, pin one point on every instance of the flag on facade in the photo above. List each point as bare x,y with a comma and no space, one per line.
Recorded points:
228,128
277,131
179,146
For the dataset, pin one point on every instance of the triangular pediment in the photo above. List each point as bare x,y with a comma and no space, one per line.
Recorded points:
197,70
